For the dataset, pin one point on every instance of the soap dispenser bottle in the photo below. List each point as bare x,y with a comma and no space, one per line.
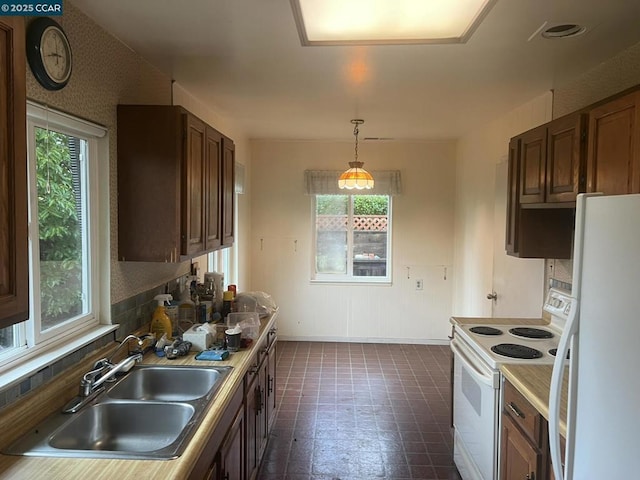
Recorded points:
187,308
160,322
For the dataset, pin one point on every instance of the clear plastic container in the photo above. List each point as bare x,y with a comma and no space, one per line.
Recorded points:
245,303
248,321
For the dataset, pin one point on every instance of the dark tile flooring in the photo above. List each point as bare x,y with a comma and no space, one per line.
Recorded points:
350,411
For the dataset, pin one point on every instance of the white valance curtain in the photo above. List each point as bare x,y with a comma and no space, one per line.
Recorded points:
325,182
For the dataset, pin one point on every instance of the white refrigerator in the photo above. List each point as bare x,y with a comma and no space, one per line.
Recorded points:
603,333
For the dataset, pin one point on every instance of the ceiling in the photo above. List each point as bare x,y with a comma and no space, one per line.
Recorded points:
244,58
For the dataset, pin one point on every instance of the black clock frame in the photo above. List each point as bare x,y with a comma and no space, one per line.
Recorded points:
34,38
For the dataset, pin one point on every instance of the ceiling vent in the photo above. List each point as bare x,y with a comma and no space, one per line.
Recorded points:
563,31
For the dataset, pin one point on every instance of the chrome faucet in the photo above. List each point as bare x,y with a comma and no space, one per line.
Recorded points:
105,370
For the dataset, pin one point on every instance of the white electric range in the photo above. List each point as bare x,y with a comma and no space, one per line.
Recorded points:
479,350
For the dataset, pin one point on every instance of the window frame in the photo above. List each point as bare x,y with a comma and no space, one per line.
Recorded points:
35,334
349,278
34,349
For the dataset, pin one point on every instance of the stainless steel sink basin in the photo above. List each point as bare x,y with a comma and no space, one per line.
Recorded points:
149,414
167,384
124,427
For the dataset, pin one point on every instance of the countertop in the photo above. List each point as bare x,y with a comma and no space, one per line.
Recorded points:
27,413
497,321
533,382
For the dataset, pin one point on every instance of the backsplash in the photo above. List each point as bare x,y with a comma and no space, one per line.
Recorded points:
131,314
558,274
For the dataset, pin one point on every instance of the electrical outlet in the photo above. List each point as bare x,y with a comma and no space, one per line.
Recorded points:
419,284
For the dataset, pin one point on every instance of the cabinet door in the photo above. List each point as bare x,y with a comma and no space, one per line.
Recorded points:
520,460
231,451
513,201
213,189
193,230
533,150
252,405
613,161
565,158
14,266
228,189
261,428
271,387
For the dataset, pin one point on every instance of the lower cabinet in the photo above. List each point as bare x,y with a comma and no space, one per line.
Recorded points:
260,402
520,458
223,455
235,449
232,465
524,443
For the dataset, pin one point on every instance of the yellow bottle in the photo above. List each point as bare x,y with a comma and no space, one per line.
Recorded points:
160,322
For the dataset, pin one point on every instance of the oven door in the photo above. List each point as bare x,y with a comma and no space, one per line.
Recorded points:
476,407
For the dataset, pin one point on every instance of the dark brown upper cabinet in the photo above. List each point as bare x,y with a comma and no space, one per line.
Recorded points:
613,162
552,161
228,189
533,152
14,260
546,166
566,137
171,184
513,192
596,149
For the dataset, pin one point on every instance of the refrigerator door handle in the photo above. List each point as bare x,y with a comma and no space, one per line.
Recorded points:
555,393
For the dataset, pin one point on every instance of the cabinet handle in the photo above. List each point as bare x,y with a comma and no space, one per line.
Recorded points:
530,476
270,384
258,399
515,410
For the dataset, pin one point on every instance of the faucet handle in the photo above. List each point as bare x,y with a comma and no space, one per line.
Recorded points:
100,364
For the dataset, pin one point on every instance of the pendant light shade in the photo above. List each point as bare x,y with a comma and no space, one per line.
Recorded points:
356,176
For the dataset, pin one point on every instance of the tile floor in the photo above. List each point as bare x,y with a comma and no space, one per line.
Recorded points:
350,411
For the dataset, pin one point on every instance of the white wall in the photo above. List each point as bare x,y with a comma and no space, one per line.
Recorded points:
475,225
422,243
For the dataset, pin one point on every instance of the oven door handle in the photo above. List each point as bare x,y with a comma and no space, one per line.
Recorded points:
488,377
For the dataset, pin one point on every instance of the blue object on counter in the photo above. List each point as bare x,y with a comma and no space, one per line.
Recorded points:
213,355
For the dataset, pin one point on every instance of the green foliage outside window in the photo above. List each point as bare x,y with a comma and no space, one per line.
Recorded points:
59,227
362,204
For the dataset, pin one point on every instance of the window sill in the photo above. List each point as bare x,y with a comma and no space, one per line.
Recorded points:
385,282
17,370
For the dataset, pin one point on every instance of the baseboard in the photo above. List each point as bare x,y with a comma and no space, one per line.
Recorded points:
410,341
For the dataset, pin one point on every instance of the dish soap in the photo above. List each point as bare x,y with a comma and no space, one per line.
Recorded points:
160,322
187,308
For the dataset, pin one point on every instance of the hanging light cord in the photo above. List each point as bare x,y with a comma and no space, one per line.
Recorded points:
355,132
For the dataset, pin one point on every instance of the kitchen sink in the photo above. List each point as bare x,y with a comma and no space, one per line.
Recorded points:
124,427
167,384
151,413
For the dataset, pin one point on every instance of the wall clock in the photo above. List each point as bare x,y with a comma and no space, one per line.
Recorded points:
49,53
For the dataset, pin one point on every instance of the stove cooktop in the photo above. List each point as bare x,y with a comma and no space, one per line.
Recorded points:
501,344
537,342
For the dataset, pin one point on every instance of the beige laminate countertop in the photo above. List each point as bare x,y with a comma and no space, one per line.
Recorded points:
26,414
533,382
497,321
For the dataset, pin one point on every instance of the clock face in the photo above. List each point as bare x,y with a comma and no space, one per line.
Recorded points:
49,53
56,54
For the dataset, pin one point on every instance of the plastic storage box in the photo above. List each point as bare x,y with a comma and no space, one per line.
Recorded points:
248,321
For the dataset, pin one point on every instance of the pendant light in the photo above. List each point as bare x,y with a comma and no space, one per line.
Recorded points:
356,177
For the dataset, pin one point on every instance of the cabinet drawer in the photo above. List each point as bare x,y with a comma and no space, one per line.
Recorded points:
523,414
